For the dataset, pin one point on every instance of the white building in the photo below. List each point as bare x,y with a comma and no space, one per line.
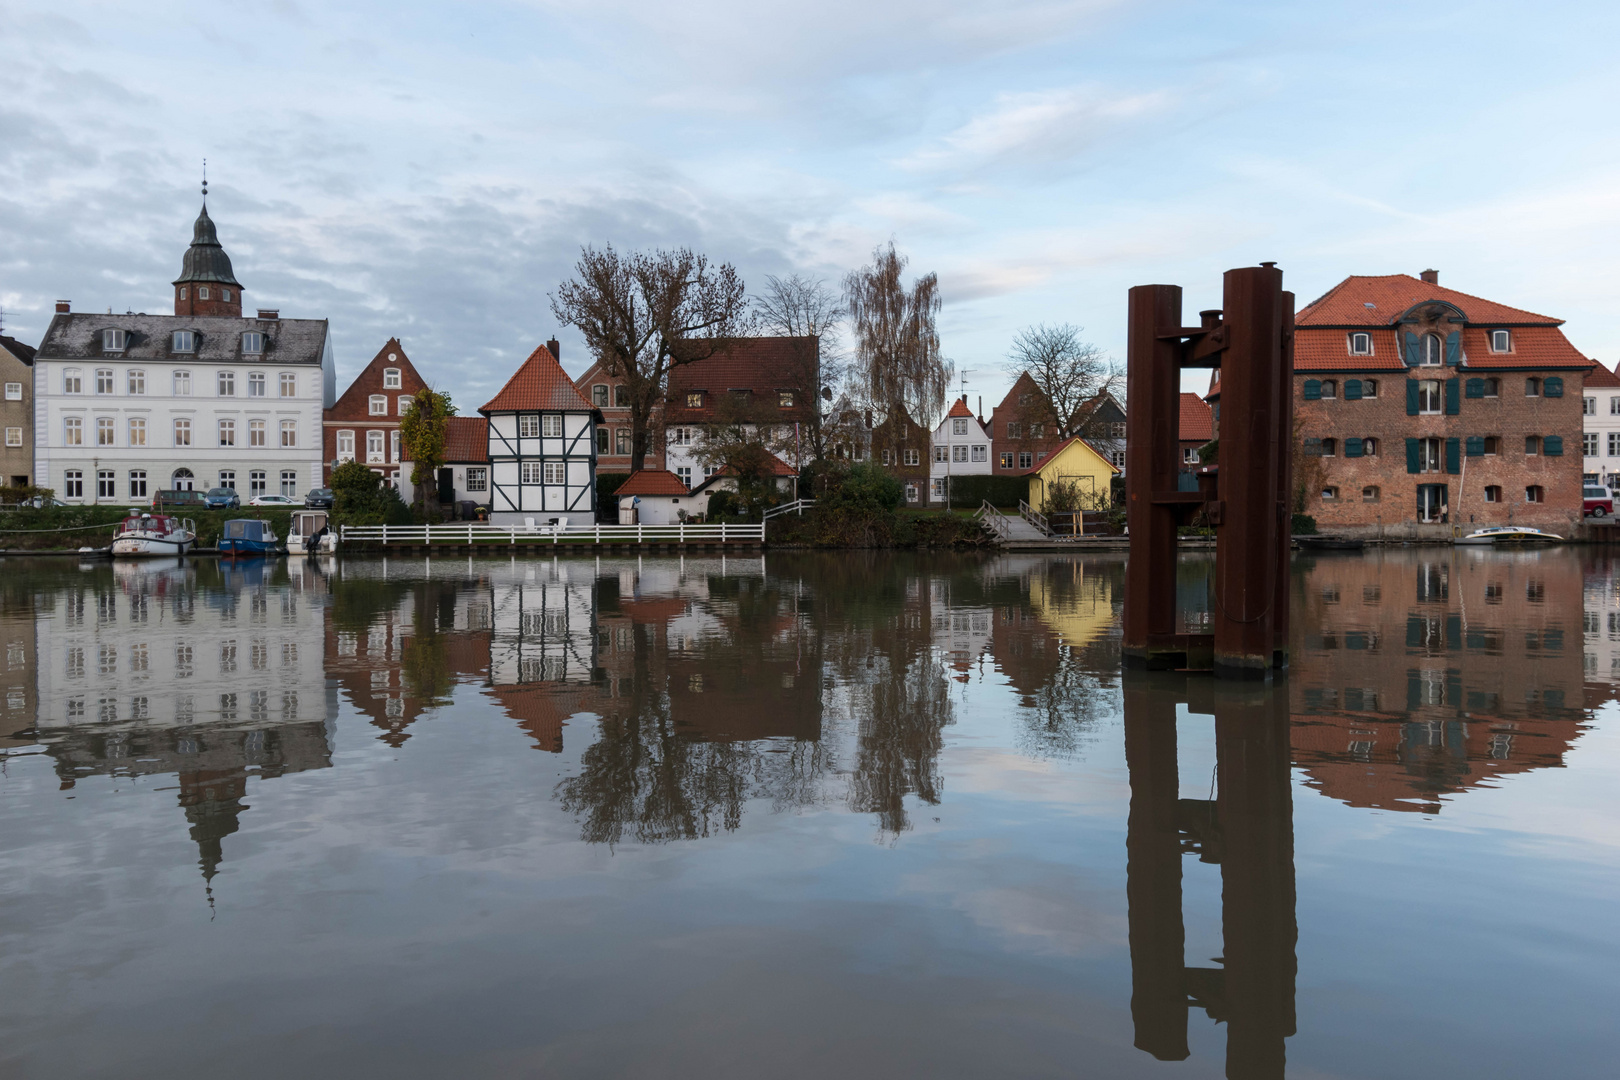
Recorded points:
125,405
542,448
961,448
1600,427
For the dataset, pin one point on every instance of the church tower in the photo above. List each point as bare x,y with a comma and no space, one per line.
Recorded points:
206,285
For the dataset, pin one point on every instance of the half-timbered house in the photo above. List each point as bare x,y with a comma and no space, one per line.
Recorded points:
542,447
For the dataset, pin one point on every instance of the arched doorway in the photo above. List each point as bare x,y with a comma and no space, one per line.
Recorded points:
182,480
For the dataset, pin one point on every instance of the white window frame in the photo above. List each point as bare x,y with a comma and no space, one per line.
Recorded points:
376,448
959,426
289,483
600,395
1431,345
106,484
555,473
913,456
529,473
345,445
1361,343
1434,462
252,340
1501,341
528,426
104,381
225,384
1588,406
391,379
72,381
289,434
106,431
377,405
182,431
182,384
13,391
551,426
13,436
255,432
289,384
402,403
73,484
137,431
137,483
183,342
72,431
1435,398
256,384
980,452
942,454
227,432
258,482
114,341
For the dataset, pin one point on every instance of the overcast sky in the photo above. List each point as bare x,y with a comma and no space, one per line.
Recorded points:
431,171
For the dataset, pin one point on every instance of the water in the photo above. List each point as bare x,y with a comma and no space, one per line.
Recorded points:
838,815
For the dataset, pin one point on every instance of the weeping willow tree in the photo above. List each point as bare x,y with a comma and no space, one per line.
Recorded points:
898,363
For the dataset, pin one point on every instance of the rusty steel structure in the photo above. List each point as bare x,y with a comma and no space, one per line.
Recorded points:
1245,497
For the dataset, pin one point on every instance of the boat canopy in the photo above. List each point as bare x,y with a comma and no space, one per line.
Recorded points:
248,529
308,522
160,523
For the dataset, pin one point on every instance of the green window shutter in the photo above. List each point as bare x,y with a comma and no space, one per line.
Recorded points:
1553,386
1453,348
1411,455
1453,406
1453,637
1352,389
1475,388
1411,397
1313,390
1553,446
1414,632
1453,458
1476,446
1352,447
1412,357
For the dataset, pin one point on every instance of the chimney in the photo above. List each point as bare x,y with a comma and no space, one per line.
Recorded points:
556,349
269,313
1431,276
63,306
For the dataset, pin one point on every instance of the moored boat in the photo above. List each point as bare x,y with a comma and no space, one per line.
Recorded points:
1509,534
154,534
248,536
311,534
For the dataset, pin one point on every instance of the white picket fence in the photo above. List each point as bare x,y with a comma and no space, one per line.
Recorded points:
473,532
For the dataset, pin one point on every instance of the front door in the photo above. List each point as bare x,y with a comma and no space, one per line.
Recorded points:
447,485
182,480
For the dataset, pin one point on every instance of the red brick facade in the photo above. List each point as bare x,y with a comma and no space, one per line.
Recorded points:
1021,434
354,430
613,433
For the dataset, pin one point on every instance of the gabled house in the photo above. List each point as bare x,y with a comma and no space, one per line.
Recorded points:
1021,431
961,448
1075,476
1197,428
541,447
901,446
363,424
765,384
17,412
1600,427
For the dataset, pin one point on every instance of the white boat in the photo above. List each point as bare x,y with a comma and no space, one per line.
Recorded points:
311,534
154,534
1509,534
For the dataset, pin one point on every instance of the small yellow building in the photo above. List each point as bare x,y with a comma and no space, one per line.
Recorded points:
1074,477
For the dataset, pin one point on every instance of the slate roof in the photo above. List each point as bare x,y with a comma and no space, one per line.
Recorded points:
22,352
466,438
1391,295
205,259
540,383
761,366
1197,419
77,336
652,482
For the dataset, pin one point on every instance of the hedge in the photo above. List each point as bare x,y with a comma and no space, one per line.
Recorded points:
1000,491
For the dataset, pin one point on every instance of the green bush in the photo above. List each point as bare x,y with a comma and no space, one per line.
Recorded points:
971,492
1304,525
361,498
863,487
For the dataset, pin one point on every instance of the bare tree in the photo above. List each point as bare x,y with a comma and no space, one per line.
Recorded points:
645,313
804,309
898,362
1069,372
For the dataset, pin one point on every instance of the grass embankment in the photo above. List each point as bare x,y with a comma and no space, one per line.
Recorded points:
68,528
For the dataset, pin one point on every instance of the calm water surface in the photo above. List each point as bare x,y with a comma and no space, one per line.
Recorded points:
802,816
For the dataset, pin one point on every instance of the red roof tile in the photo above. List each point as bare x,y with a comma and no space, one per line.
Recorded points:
778,468
1601,376
652,482
1328,349
1392,294
761,366
540,383
1197,419
466,438
960,408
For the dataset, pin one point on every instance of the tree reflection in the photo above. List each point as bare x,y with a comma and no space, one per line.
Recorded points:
900,737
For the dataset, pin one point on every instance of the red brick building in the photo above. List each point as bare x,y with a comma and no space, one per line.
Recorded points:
1021,432
363,424
1420,410
611,398
902,447
1197,428
767,383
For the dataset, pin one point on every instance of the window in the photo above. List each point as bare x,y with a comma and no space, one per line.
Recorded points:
1532,445
529,472
1369,388
403,402
227,433
1589,406
289,483
1370,493
1431,502
73,484
1369,447
1330,389
942,453
257,482
959,453
680,436
603,440
959,427
1330,448
224,294
255,432
73,431
684,472
1116,458
528,426
1501,341
981,453
1429,397
256,384
784,399
1493,388
555,472
252,341
378,405
1614,406
913,493
1534,494
202,292
1492,445
913,456
694,400
112,341
226,384
1430,455
477,478
13,436
1026,460
1015,430
1189,454
599,395
183,341
551,426
227,478
72,381
289,433
1006,461
1360,344
13,391
622,442
104,431
182,384
1433,351
938,489
182,432
1037,431
106,484
1493,494
345,446
1532,387
137,483
391,380
1589,442
104,380
374,447
1614,444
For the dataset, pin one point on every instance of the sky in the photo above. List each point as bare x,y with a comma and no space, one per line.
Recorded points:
431,172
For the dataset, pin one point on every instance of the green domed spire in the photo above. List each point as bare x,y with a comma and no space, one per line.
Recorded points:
206,260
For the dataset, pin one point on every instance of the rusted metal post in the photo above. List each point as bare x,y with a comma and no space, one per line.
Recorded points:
1153,388
1285,488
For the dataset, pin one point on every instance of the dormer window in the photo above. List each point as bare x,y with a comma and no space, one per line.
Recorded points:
1433,351
391,379
252,343
112,341
694,400
185,341
1361,345
784,399
1501,341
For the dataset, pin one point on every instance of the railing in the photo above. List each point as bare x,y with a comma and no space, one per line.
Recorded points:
1038,520
995,519
473,532
798,506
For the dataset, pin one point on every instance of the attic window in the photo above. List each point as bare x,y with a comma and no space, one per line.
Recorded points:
391,378
185,341
784,399
1501,341
694,400
252,343
1361,344
1369,305
112,341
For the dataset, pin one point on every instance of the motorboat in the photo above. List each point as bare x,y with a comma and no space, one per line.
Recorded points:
154,534
311,534
1509,534
248,536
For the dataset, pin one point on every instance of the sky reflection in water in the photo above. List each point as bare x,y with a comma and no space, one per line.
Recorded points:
802,815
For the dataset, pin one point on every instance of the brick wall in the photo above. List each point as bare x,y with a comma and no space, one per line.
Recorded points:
352,410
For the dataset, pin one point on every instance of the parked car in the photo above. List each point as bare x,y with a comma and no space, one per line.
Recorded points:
319,498
222,498
174,499
1596,501
273,500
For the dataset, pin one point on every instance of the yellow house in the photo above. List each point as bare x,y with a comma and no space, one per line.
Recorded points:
1074,476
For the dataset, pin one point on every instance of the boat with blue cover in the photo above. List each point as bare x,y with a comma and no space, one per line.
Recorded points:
248,536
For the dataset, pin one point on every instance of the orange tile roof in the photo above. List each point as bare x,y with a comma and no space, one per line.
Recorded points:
778,468
1392,294
960,408
1601,376
540,383
466,438
1328,349
652,482
1197,419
